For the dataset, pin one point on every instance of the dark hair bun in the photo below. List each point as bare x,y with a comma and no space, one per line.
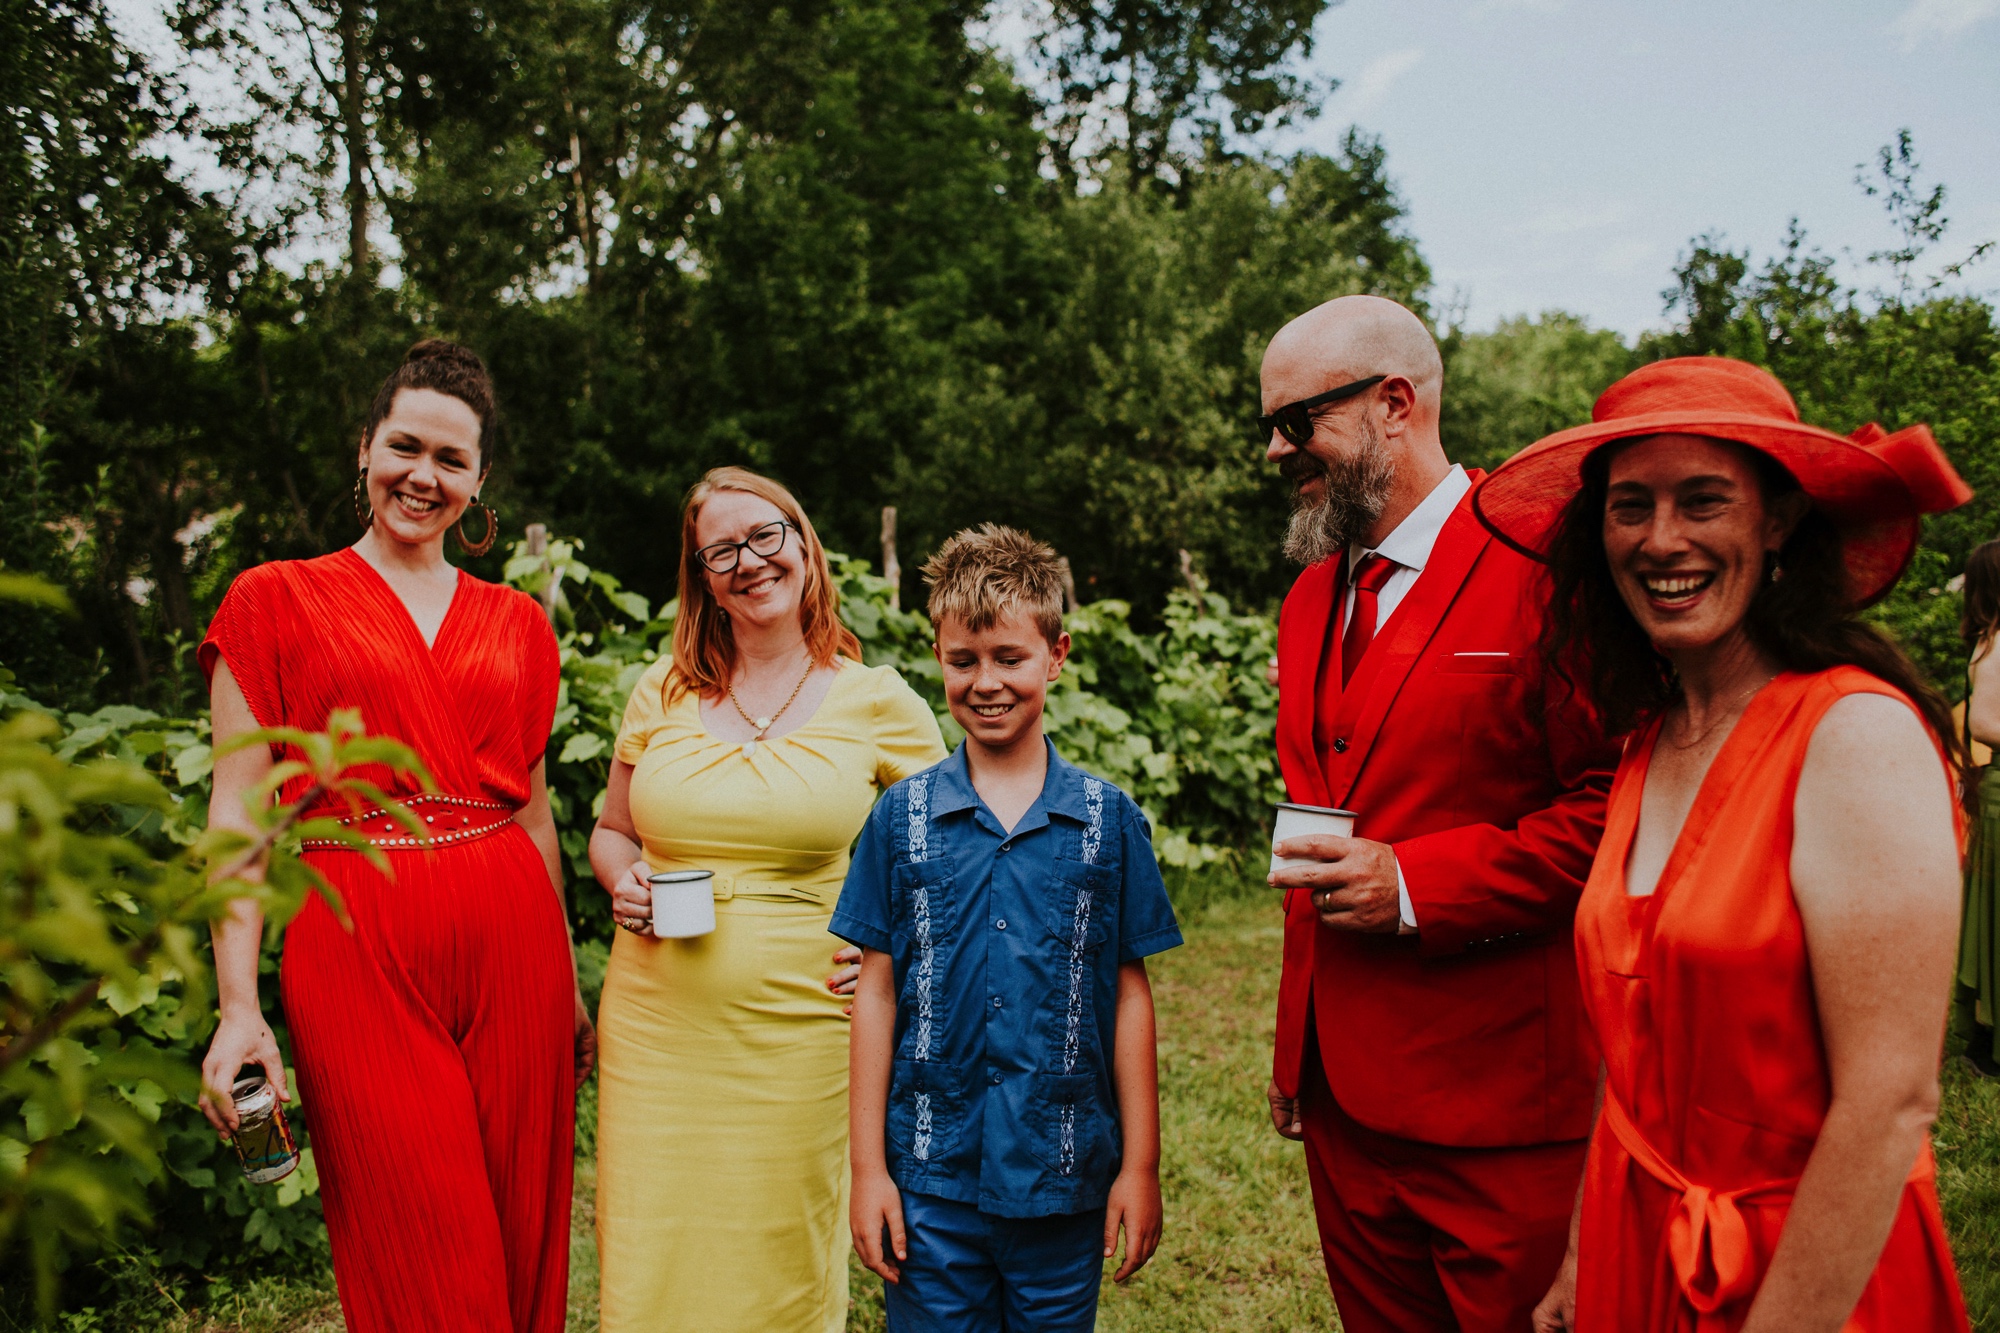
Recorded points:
444,350
446,367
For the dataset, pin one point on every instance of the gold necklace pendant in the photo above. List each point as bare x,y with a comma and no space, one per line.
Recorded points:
763,724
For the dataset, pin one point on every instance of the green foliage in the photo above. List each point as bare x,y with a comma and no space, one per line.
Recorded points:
106,879
1526,379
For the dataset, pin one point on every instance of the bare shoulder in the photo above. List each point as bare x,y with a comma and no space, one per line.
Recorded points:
1872,785
1863,732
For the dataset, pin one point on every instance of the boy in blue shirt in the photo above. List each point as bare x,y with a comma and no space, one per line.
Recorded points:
1004,1097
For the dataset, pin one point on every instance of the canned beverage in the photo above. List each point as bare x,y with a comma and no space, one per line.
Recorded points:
263,1140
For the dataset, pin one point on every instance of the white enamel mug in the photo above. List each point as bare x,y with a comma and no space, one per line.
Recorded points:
1298,821
683,903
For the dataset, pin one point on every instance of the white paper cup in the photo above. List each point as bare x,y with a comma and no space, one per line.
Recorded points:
1298,821
683,904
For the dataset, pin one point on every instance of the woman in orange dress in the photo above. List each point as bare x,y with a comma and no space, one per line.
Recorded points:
1766,939
439,1038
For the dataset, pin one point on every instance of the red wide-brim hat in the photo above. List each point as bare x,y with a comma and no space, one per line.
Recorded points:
1873,485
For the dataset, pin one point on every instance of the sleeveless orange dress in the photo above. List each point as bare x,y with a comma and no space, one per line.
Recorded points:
1717,1081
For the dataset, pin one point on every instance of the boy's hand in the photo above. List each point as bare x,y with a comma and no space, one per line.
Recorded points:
877,1205
1134,1203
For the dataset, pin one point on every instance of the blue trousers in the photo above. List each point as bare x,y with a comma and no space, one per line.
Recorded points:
971,1272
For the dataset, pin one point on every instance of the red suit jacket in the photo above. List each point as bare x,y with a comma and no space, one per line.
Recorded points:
1488,777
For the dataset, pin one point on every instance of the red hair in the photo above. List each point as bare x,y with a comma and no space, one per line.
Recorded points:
704,647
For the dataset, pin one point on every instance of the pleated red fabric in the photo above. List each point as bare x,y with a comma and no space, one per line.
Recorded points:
433,1039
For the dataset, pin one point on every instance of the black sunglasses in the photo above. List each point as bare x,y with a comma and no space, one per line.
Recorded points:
764,542
1294,420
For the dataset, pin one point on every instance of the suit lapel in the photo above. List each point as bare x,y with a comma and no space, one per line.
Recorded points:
1382,672
1302,637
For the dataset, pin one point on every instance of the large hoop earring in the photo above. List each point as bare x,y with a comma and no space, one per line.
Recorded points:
484,544
364,513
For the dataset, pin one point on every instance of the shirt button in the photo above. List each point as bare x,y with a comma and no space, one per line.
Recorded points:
1001,924
1006,846
996,1079
996,1002
1340,745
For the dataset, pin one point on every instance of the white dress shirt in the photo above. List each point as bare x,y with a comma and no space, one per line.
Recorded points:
1409,546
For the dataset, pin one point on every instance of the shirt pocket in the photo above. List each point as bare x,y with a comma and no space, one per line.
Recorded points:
926,1110
1071,1128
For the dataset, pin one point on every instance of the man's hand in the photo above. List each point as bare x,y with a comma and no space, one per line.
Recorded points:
1353,887
1284,1113
877,1205
1135,1204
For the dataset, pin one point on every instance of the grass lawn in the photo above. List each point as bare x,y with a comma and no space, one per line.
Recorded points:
1239,1251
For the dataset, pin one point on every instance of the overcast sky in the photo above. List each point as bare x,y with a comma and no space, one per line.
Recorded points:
1561,153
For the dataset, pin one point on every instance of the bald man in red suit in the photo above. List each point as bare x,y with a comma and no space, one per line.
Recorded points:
1431,1047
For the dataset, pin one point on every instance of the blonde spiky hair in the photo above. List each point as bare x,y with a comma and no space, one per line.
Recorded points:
982,573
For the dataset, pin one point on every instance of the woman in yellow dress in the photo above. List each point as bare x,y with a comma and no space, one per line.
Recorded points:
754,752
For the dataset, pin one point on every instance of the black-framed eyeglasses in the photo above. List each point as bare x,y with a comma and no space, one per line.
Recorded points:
1294,420
765,542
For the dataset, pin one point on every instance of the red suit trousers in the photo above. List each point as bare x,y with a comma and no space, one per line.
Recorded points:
1419,1237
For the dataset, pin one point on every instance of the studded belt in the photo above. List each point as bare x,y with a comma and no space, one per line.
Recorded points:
446,819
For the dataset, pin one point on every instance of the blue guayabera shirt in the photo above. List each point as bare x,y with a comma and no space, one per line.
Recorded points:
1006,949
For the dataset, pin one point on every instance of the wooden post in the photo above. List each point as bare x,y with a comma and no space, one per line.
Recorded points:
538,544
1069,584
892,569
1188,576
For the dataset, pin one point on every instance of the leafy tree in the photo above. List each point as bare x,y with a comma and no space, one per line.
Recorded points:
1527,378
1154,67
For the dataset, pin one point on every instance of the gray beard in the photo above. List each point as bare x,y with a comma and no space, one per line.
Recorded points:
1356,490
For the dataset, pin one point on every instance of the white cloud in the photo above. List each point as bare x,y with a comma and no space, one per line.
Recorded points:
1940,18
1366,90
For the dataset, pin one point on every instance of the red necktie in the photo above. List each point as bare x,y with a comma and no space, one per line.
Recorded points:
1369,576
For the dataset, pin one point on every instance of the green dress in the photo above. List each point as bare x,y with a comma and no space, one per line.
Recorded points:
1979,931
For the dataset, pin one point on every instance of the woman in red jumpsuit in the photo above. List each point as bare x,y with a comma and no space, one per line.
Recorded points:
440,1040
1766,938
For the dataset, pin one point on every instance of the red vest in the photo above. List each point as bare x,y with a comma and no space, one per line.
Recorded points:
1488,778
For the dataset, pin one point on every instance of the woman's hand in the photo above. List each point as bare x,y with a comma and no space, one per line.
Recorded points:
632,897
238,1042
1557,1312
586,1042
843,982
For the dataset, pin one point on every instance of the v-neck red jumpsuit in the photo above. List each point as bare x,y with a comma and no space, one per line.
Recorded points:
1717,1080
433,1040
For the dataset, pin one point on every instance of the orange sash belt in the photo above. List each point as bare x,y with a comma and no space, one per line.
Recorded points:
1708,1241
446,819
